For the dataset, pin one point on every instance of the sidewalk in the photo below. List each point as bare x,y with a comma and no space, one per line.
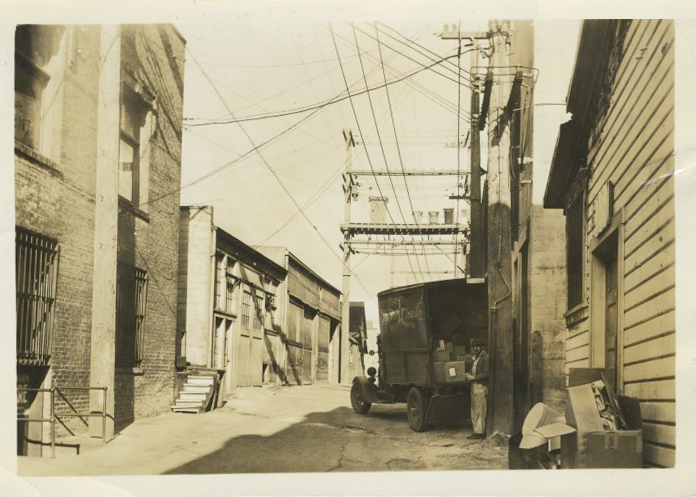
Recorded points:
162,443
279,430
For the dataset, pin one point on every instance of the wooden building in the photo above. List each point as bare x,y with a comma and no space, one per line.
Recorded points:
311,318
612,174
228,304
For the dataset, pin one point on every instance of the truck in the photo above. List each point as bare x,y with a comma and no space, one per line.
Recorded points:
424,349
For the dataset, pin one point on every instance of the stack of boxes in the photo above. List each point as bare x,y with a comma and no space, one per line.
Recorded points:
451,363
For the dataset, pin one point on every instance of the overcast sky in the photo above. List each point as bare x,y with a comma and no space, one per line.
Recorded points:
256,70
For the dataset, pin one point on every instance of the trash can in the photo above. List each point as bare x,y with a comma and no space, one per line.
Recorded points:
536,458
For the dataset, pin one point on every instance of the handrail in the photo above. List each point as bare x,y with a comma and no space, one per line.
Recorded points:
54,417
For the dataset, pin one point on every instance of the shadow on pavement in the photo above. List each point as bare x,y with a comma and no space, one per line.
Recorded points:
340,440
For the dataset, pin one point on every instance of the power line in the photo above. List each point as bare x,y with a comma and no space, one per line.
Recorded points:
396,138
434,97
409,58
338,98
379,137
413,42
258,152
357,122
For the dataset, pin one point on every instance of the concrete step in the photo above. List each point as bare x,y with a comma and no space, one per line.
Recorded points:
193,410
201,379
186,401
196,388
192,396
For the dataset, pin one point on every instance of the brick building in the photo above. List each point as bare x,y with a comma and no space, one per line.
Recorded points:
228,304
612,174
98,113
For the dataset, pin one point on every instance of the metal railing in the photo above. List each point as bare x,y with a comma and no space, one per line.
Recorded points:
55,418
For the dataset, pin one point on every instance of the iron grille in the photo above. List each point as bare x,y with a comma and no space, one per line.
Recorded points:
131,303
36,283
246,309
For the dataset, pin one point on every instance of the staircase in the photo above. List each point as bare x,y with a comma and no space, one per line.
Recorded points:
196,395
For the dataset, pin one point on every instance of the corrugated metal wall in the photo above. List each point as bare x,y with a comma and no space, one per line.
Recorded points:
634,151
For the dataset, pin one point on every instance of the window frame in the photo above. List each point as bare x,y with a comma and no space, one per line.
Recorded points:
610,244
577,296
38,249
28,69
130,334
246,306
132,102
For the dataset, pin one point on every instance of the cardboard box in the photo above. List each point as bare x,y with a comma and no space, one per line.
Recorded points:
441,356
449,372
581,409
592,446
460,350
605,449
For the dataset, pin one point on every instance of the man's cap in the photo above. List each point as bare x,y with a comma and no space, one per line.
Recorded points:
477,342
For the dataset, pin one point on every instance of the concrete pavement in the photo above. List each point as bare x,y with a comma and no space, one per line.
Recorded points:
289,429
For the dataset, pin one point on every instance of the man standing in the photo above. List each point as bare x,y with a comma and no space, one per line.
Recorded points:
479,389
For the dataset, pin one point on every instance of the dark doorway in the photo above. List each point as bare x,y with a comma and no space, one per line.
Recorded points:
522,379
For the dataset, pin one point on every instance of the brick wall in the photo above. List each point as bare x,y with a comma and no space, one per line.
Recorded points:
155,55
55,197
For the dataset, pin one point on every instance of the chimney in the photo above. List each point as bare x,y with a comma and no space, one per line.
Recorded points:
378,210
433,217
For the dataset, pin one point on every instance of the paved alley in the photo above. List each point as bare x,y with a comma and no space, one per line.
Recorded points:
291,429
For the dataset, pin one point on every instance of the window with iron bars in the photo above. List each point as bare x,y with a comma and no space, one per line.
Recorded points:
246,308
36,281
131,302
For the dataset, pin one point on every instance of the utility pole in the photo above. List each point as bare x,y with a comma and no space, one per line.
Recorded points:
345,291
476,257
499,262
476,265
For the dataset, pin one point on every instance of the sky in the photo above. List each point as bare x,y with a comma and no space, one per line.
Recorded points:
257,70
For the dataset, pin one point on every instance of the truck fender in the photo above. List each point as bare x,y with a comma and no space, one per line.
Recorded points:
369,390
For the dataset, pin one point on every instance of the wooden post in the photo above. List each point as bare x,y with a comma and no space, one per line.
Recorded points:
499,262
476,264
345,292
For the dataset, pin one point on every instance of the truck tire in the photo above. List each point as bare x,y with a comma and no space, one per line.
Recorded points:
360,406
417,408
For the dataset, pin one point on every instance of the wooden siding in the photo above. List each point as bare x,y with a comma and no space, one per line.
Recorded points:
634,151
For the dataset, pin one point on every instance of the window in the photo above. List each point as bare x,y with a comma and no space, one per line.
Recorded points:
230,294
246,308
30,83
36,284
132,121
219,279
258,312
131,303
575,239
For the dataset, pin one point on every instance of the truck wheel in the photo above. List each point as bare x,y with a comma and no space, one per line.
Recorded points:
359,404
417,407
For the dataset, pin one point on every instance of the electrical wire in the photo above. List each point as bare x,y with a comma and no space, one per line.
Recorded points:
396,139
409,58
258,152
419,87
355,114
425,48
379,137
338,98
